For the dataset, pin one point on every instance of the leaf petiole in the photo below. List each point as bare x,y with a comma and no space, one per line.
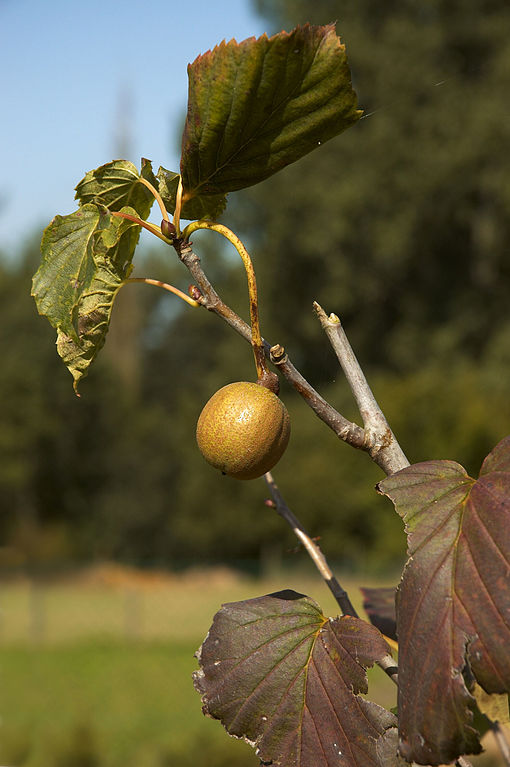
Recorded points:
165,286
178,207
157,196
152,228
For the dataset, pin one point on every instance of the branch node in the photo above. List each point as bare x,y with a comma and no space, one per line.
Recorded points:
344,435
168,229
278,355
196,294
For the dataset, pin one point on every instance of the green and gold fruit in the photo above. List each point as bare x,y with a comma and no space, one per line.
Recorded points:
243,430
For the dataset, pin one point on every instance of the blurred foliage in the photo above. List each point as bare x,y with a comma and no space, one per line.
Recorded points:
400,226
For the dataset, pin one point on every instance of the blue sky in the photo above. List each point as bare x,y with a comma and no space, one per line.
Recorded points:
68,69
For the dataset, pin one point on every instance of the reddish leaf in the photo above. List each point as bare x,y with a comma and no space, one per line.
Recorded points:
279,674
379,605
453,604
387,750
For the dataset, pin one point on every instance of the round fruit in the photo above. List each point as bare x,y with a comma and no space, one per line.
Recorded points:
243,430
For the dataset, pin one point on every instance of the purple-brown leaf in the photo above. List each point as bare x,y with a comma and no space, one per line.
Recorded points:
453,603
379,605
279,674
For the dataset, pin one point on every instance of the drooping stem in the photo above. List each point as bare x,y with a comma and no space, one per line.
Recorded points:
263,372
165,286
159,200
378,435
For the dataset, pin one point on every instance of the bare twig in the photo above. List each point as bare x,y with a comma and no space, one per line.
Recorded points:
313,550
502,742
379,438
389,457
342,598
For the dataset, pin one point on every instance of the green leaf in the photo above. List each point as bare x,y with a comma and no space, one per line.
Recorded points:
259,105
115,246
193,209
67,266
86,257
116,185
279,674
453,603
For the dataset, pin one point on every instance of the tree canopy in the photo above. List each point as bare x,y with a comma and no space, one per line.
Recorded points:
400,225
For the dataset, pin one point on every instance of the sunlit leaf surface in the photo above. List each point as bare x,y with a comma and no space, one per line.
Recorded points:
116,185
259,105
279,674
453,604
67,266
86,256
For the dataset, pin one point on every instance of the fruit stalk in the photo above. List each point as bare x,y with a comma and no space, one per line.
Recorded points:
157,197
264,376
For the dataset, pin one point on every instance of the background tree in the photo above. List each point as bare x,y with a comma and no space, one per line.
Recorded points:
411,203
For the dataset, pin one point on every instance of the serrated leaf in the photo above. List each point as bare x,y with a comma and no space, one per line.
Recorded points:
86,257
379,605
116,185
387,750
255,107
113,252
453,603
67,267
168,183
279,674
193,209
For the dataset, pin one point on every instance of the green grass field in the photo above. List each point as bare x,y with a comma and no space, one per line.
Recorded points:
95,670
105,703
